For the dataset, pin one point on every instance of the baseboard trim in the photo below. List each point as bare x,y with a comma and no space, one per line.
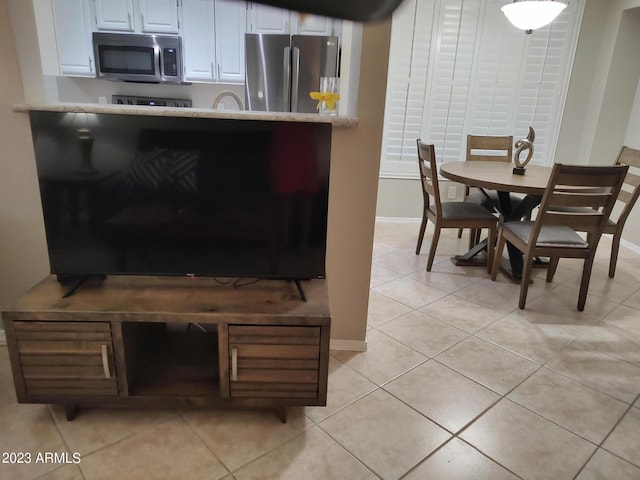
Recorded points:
348,345
625,243
3,338
631,246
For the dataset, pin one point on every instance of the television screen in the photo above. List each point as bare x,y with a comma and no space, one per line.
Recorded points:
154,195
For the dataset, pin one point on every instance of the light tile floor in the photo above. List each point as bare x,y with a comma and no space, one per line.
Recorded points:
457,383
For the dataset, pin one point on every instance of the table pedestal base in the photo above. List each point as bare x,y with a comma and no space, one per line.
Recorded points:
472,262
505,264
469,259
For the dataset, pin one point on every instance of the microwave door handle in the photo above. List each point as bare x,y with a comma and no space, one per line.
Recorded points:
286,81
158,61
295,60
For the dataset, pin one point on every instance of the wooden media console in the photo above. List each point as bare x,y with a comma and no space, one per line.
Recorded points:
170,342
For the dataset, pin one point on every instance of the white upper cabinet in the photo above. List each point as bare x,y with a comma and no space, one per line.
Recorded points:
159,16
304,24
73,37
198,40
141,16
230,22
213,40
267,19
114,15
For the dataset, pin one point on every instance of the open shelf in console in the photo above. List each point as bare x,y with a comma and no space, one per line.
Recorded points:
166,359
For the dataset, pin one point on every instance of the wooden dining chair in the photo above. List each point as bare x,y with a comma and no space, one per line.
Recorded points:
554,232
488,148
447,214
627,198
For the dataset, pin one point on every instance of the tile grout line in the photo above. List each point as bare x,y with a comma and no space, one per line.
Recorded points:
468,444
64,440
193,430
349,452
346,449
600,446
145,429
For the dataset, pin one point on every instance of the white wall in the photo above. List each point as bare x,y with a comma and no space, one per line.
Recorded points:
574,140
399,198
619,91
23,249
26,42
632,136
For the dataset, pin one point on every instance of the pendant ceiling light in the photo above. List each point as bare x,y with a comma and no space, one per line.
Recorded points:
529,15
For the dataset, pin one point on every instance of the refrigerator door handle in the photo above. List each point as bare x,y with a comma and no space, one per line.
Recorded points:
295,61
286,88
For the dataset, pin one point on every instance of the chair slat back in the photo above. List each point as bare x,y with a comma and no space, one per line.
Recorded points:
429,175
631,188
579,198
629,156
580,186
489,148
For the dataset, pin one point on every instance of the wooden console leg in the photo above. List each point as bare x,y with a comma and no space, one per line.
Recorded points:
71,412
282,414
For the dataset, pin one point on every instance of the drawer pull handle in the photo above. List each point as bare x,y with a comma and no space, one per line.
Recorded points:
234,364
105,361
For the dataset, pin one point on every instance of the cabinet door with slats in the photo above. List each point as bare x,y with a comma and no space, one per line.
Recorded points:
274,361
66,358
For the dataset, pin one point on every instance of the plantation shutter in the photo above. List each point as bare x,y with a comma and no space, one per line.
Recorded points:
497,80
406,86
480,76
543,90
451,76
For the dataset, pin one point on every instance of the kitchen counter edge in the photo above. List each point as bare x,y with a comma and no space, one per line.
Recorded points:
336,121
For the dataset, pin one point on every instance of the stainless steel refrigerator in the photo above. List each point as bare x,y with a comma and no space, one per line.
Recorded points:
281,70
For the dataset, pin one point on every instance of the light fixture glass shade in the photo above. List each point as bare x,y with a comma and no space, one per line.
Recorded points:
80,121
530,15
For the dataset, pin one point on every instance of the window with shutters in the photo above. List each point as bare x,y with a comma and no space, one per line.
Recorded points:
458,67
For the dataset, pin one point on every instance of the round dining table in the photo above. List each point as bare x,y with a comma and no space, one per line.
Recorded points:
499,176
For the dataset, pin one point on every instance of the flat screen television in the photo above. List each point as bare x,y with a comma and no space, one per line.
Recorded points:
154,195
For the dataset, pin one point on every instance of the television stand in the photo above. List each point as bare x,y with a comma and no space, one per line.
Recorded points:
125,341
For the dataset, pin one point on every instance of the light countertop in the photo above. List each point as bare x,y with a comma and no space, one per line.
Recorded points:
335,120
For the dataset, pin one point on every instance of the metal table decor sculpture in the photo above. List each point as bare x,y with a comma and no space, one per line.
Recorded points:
523,145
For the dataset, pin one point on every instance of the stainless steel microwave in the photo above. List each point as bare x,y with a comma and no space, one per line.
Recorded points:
138,58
